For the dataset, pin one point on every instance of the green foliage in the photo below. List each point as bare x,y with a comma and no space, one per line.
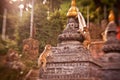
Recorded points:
2,46
84,2
47,30
54,4
64,7
6,44
23,29
108,2
10,74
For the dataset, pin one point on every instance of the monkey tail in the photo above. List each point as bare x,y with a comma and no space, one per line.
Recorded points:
28,74
39,64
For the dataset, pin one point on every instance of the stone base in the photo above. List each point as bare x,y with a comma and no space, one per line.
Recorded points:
70,71
70,61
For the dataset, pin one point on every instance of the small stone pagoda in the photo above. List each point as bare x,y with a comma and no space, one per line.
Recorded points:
70,59
111,59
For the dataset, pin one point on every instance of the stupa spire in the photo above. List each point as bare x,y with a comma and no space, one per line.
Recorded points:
73,3
73,11
111,16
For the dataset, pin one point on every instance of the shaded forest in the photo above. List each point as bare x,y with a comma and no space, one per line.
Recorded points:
50,19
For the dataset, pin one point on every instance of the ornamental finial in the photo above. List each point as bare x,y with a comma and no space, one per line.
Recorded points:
73,11
73,3
111,16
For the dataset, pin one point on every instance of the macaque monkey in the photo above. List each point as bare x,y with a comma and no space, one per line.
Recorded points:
42,58
86,34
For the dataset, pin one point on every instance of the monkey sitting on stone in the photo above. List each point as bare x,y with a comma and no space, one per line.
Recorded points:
86,34
42,58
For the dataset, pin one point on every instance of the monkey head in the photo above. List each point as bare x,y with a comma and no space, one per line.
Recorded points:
48,47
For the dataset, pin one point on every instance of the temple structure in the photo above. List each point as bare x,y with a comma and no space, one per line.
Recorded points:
111,59
70,59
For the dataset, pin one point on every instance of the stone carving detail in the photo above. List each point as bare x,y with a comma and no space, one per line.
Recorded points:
112,43
69,70
110,60
70,32
70,59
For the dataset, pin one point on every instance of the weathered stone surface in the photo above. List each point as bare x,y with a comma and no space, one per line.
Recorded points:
70,32
71,70
111,59
70,59
112,44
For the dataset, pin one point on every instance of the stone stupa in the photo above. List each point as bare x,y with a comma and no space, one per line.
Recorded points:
70,59
111,59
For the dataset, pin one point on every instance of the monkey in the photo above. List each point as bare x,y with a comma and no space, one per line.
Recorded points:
87,37
87,41
42,58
